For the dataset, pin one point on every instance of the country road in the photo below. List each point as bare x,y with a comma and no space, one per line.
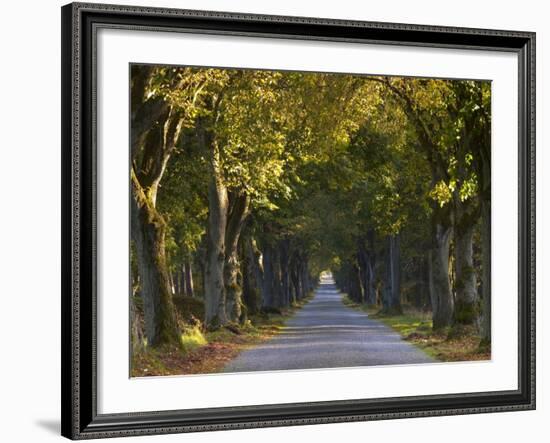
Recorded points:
327,334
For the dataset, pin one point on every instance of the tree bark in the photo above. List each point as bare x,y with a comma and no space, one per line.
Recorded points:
172,282
440,286
284,260
239,204
392,280
148,233
277,284
178,288
296,293
136,329
187,279
252,275
214,288
155,133
268,296
304,277
355,290
370,266
466,310
362,262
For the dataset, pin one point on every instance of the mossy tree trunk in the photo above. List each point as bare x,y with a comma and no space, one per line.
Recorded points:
440,285
238,211
156,130
466,302
148,233
214,285
136,329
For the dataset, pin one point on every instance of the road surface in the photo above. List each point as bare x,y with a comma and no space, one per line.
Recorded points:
327,334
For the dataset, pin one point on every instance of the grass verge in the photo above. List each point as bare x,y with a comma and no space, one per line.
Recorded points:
415,326
209,352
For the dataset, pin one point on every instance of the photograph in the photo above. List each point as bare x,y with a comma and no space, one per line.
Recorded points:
295,220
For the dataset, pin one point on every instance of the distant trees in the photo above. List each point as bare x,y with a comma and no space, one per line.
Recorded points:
247,184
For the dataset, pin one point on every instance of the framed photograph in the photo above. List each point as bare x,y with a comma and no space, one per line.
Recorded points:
273,221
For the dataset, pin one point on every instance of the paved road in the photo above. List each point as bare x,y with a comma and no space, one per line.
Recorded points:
327,334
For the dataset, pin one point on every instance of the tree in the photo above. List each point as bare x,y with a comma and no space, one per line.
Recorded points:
452,122
164,101
156,129
423,101
245,147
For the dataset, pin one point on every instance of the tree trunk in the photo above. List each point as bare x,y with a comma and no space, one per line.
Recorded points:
148,233
466,310
392,279
292,294
300,290
355,290
370,287
295,278
440,286
214,289
155,133
304,277
201,274
251,275
188,279
277,285
176,281
136,329
233,290
172,282
284,260
268,298
363,263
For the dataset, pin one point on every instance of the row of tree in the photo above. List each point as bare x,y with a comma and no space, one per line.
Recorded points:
246,184
433,185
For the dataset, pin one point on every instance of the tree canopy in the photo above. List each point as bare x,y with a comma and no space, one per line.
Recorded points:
247,184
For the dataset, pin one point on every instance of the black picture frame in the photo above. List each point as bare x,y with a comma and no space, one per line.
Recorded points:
79,391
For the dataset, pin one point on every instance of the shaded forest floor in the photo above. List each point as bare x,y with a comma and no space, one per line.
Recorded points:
209,352
415,326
